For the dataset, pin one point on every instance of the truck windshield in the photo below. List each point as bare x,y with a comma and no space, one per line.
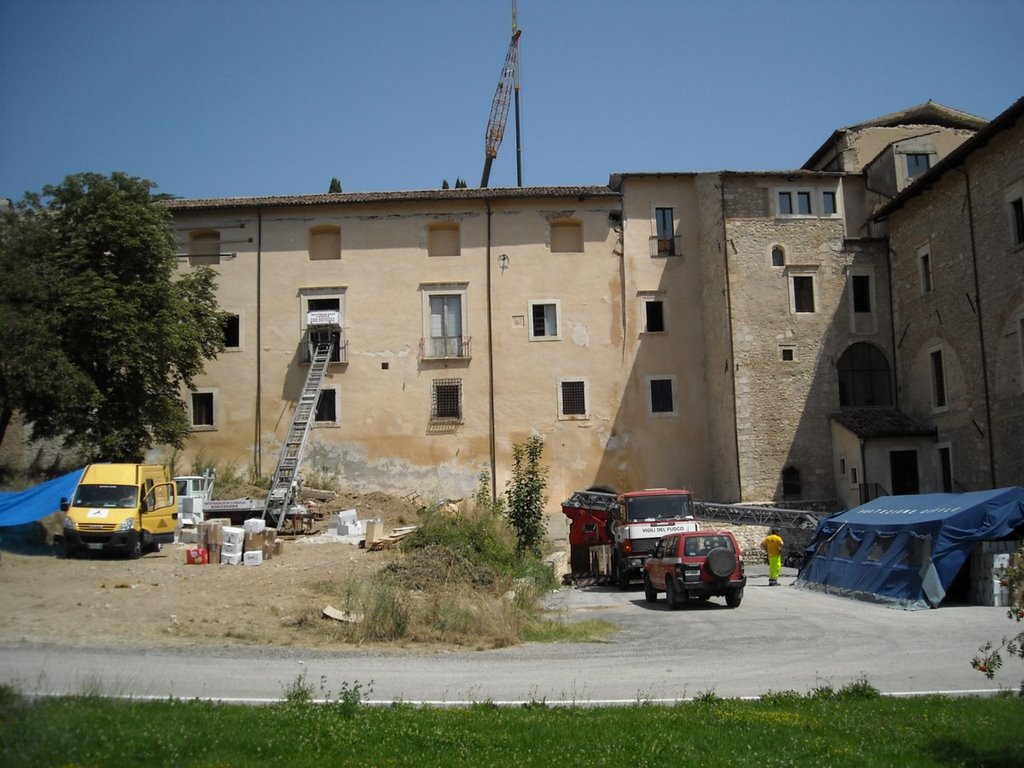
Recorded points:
659,507
120,496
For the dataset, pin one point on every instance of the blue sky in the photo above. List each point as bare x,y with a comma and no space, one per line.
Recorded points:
220,98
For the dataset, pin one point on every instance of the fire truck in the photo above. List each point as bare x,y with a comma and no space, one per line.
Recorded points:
612,534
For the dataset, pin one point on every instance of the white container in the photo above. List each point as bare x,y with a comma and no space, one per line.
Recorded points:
254,557
254,525
230,558
233,535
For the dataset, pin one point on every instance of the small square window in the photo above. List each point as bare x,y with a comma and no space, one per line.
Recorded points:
787,353
544,321
662,400
572,399
654,316
446,400
917,163
202,409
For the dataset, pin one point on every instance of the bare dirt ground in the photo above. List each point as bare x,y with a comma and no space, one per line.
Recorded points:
159,600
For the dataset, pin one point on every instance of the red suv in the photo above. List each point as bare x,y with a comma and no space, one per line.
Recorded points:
695,565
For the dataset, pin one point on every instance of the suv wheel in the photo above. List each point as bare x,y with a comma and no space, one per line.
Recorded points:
721,562
733,597
650,594
670,594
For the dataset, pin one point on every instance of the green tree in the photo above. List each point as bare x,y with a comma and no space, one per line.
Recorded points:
989,657
335,188
97,337
525,495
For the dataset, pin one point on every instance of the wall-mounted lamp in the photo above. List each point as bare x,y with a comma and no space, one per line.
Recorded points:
503,262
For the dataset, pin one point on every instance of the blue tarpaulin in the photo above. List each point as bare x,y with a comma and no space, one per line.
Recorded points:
20,507
906,550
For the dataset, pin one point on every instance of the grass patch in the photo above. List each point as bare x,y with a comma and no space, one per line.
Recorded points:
776,730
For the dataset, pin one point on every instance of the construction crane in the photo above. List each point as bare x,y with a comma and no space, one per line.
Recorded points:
508,85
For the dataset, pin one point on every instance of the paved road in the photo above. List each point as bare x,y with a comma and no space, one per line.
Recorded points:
780,638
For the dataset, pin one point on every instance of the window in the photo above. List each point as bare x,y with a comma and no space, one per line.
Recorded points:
925,261
863,373
946,467
861,288
1015,211
445,338
573,400
791,483
324,243
794,202
938,379
778,256
787,353
202,410
566,236
917,163
318,303
654,316
327,407
544,320
204,247
446,400
665,233
828,204
232,332
443,240
801,293
662,400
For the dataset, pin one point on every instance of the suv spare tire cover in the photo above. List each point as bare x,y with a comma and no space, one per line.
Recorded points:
721,562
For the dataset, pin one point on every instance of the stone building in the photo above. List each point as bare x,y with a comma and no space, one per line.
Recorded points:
755,336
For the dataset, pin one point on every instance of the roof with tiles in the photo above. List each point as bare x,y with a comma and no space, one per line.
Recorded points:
880,422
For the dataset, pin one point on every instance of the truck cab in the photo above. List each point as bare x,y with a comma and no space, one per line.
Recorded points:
126,508
641,520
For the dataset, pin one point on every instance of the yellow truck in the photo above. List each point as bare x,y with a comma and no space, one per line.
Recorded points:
128,508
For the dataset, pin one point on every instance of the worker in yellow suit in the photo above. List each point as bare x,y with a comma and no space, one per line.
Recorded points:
772,545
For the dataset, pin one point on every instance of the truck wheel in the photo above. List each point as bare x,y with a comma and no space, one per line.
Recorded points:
670,595
135,547
721,562
733,597
650,594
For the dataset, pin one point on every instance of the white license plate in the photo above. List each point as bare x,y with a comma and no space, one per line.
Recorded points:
91,545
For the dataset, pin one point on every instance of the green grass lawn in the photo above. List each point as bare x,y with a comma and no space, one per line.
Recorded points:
778,730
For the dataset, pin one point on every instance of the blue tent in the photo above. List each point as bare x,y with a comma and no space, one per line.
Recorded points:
18,508
906,550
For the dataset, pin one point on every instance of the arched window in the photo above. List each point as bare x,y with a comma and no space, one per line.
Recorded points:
778,256
863,377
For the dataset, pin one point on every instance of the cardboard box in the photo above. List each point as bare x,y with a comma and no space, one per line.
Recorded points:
253,558
197,556
268,550
230,559
254,541
211,532
215,553
278,547
374,530
188,536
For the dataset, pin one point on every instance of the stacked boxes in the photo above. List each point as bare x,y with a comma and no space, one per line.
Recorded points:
232,548
255,537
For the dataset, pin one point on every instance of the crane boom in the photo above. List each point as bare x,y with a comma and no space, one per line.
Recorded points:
508,83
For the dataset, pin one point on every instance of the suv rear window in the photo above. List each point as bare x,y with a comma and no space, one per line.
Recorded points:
698,546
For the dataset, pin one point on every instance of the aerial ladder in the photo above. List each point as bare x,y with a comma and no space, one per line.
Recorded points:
508,85
324,328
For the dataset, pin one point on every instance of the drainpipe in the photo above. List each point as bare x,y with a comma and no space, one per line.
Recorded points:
490,362
257,452
732,350
981,330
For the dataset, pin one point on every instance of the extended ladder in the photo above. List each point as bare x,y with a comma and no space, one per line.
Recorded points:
284,488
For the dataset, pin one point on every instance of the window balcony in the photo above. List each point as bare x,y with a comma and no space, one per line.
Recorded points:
445,348
666,246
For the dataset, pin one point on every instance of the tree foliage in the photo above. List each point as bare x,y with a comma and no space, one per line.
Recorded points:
525,494
335,186
990,657
97,337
